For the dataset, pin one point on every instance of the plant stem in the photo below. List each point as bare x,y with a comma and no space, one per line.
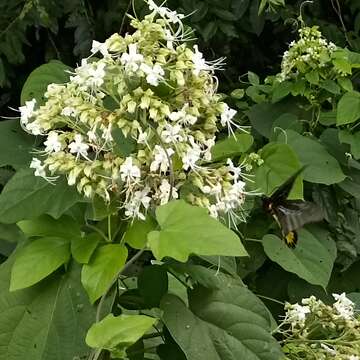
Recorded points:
100,232
270,299
109,228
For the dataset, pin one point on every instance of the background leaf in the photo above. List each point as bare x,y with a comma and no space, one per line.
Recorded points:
26,196
232,314
36,84
348,109
312,259
45,322
37,260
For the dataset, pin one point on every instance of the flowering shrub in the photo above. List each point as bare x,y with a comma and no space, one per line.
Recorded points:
315,331
138,125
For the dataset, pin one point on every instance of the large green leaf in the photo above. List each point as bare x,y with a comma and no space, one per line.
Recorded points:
353,140
82,247
45,322
26,196
280,163
348,109
36,84
136,234
45,225
232,146
100,272
312,259
118,333
15,144
187,229
37,260
321,166
230,323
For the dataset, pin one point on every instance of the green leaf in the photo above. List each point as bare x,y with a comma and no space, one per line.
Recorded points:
253,78
45,225
312,259
124,146
284,122
136,234
100,272
280,162
353,140
312,77
232,314
209,31
153,284
37,260
348,109
223,14
331,86
262,116
47,321
36,84
15,144
230,146
26,196
118,333
281,90
83,247
327,118
321,167
237,94
187,229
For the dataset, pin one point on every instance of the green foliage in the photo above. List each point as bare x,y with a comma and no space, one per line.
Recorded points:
201,287
100,272
182,234
26,196
118,333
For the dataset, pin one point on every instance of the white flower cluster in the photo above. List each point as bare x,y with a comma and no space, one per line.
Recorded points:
138,122
313,330
310,52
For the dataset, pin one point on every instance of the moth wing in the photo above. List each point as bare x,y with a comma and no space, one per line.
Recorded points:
293,214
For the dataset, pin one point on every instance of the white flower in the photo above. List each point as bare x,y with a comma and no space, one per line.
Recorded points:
209,145
142,137
161,159
297,314
182,117
132,59
172,133
34,128
97,74
164,192
328,349
172,16
27,111
133,206
213,211
235,171
226,118
128,171
170,38
69,111
353,357
199,62
91,134
153,74
191,157
39,168
53,143
344,306
78,147
99,47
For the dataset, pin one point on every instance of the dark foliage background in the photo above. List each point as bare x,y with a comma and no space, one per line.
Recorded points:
33,32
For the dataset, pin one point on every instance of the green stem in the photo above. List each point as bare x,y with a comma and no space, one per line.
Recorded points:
100,232
270,299
254,240
109,228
